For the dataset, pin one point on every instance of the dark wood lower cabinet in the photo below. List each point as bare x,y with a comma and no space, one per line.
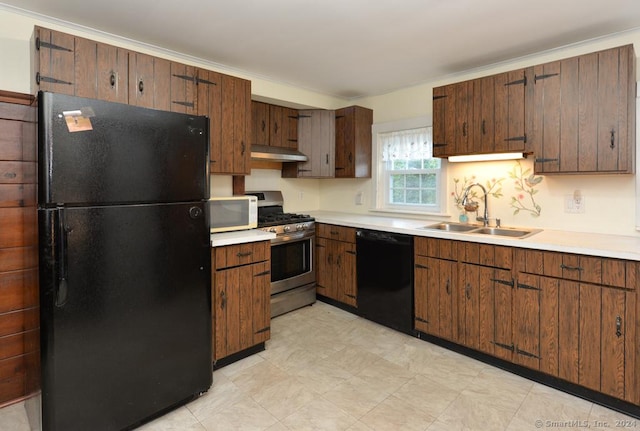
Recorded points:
241,289
570,317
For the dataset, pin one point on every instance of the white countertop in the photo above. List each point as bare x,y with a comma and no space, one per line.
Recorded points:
239,237
594,244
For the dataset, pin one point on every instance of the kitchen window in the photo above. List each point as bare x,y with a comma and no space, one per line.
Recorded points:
409,178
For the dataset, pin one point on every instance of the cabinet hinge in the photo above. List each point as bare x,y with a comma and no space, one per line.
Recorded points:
41,44
186,77
292,140
439,97
421,266
187,104
528,287
293,117
505,282
527,354
338,168
260,274
350,296
339,116
543,160
204,81
519,81
304,116
504,346
436,145
421,320
517,138
40,78
537,78
319,245
351,252
260,331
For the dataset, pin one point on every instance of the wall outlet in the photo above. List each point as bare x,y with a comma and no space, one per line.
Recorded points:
359,198
301,195
575,203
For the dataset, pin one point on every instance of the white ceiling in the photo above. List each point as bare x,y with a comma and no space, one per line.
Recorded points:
350,48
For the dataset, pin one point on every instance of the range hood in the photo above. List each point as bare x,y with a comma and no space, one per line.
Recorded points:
276,154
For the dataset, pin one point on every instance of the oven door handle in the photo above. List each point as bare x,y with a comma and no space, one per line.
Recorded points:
294,236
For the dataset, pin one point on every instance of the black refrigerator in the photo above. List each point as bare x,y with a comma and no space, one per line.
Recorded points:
125,288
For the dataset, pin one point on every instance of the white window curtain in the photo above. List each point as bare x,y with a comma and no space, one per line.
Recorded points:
407,144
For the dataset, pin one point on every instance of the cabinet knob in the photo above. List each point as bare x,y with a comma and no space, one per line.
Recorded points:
141,86
112,79
613,139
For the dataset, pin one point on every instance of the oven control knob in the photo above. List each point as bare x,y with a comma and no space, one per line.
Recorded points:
271,229
286,228
300,227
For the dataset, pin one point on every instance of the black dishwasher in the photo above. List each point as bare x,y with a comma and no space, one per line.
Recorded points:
385,278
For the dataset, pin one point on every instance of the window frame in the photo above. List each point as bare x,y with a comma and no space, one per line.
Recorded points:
381,184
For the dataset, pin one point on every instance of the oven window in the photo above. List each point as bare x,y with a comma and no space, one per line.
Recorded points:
290,259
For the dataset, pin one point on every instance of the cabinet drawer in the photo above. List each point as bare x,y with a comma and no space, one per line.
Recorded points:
589,269
241,254
434,247
485,254
339,233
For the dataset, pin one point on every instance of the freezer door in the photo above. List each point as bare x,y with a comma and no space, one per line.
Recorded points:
125,313
92,151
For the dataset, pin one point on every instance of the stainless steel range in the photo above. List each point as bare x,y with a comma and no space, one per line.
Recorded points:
293,276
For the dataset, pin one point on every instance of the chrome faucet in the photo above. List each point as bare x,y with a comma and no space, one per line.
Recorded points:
465,199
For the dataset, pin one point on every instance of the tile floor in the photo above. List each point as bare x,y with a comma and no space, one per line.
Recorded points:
326,369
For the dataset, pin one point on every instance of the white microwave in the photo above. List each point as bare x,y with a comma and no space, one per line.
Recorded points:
233,213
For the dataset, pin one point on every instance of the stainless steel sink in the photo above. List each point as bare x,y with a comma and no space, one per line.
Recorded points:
451,227
505,231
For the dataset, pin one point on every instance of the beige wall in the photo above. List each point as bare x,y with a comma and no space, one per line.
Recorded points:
610,200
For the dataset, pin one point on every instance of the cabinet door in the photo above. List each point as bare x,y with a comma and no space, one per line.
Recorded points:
526,311
101,71
290,125
502,287
241,308
469,316
183,88
484,113
444,119
353,142
55,61
149,81
276,126
209,102
323,276
259,123
316,139
581,113
346,273
447,298
260,309
509,122
426,295
235,126
464,142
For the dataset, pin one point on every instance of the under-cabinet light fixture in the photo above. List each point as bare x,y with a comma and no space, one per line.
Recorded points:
486,157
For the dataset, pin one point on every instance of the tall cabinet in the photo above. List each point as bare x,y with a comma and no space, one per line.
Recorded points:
19,305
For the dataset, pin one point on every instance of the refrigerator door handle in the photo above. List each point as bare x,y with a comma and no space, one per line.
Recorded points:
62,289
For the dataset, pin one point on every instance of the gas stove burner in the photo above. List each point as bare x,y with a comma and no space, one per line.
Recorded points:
274,219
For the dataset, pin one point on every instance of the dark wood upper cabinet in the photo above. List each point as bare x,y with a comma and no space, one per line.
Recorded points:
480,116
353,142
583,118
149,81
274,125
54,61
